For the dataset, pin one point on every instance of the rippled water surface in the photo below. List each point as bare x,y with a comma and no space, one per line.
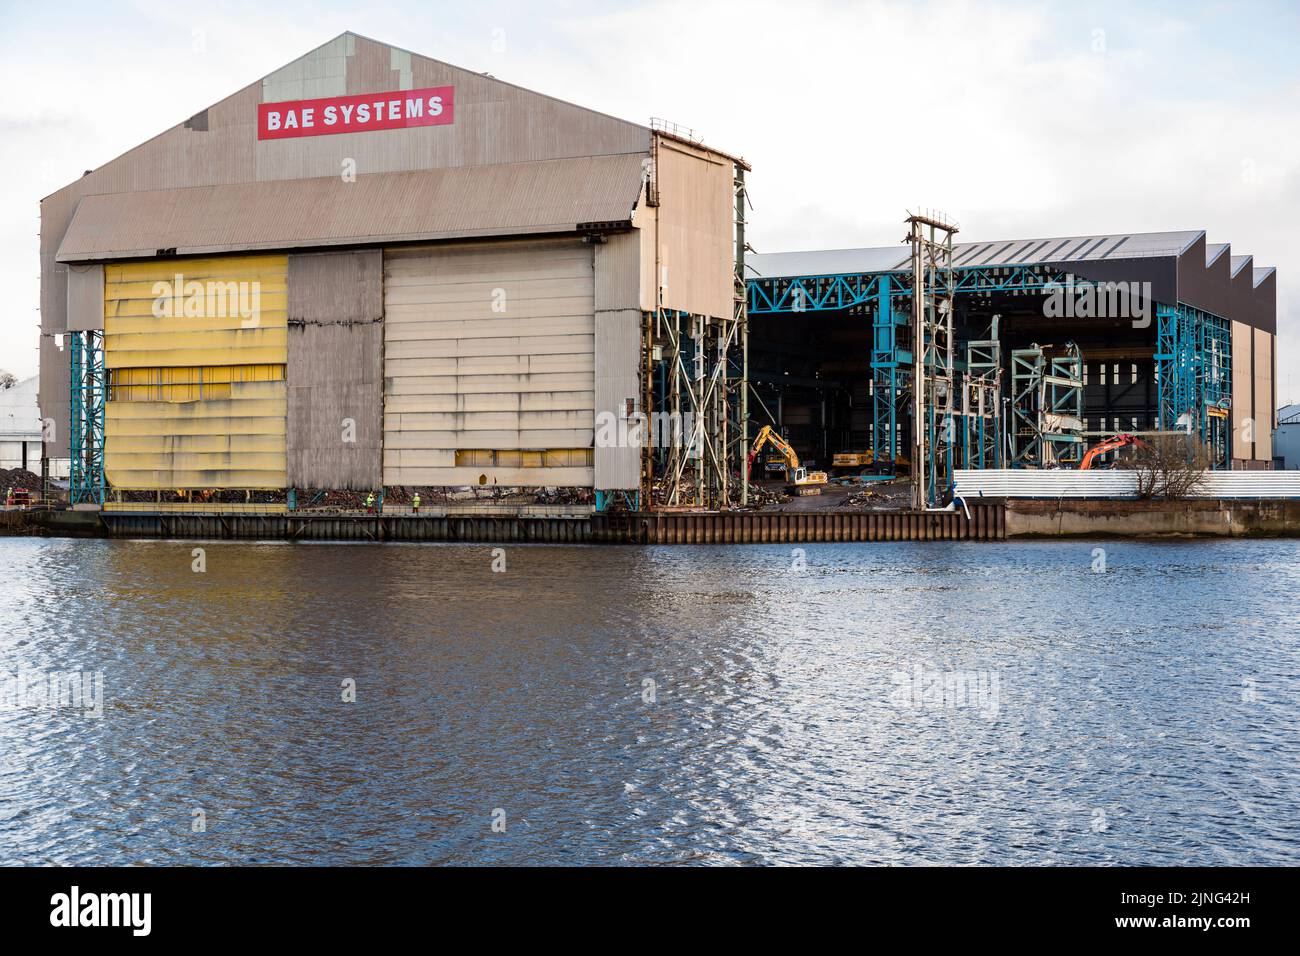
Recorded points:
625,705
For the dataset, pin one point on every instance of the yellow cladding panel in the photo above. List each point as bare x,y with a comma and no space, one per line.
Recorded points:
197,350
187,312
187,383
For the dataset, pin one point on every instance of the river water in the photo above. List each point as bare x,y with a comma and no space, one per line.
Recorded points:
905,703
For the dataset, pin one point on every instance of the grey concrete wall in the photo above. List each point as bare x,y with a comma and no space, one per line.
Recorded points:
1220,518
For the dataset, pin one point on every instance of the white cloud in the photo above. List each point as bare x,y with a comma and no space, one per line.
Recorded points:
1002,115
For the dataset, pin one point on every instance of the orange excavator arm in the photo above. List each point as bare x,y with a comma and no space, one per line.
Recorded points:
1109,444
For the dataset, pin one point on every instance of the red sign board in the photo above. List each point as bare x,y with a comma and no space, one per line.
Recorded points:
362,113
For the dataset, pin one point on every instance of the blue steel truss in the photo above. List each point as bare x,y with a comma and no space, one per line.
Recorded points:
1193,349
888,296
86,443
1194,376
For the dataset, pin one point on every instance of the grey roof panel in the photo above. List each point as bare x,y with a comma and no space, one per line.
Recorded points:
459,202
1146,245
827,262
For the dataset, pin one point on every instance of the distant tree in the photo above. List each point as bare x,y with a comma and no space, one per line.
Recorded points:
1170,466
7,379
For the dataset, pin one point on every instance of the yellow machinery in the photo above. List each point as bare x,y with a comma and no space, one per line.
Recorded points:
861,459
852,459
802,481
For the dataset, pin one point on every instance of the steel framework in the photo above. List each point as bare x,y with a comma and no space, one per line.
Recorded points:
933,374
86,441
1046,407
981,408
705,377
1194,376
1193,351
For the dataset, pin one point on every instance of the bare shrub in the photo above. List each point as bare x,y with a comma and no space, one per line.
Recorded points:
1171,466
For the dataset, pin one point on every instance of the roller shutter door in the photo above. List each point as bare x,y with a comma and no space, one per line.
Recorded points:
489,364
197,393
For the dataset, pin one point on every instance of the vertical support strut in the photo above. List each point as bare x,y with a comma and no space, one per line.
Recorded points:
86,441
890,375
738,454
933,379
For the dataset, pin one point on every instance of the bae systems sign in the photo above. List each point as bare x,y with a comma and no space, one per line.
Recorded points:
363,113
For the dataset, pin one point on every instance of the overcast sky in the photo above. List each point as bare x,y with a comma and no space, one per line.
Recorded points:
1035,119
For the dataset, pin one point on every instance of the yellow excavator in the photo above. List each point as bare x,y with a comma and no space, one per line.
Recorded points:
801,480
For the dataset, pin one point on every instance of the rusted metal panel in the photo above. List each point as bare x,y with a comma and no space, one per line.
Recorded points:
335,370
329,288
552,196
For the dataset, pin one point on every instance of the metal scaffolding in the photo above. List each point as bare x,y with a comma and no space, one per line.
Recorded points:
933,372
704,380
1194,376
981,403
1046,407
86,441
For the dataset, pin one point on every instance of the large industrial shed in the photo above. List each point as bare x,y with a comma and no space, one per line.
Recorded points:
1188,343
371,268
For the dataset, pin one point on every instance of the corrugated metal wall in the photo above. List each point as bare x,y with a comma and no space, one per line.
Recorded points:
197,399
489,364
335,369
694,230
618,354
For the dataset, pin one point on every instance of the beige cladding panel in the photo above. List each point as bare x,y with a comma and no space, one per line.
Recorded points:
335,373
618,383
1263,385
695,230
618,360
1242,390
488,347
86,298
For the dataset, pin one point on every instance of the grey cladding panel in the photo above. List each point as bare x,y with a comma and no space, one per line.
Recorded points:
326,288
85,298
335,371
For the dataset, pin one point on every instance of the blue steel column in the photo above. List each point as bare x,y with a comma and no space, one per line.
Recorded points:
86,441
884,383
1194,375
